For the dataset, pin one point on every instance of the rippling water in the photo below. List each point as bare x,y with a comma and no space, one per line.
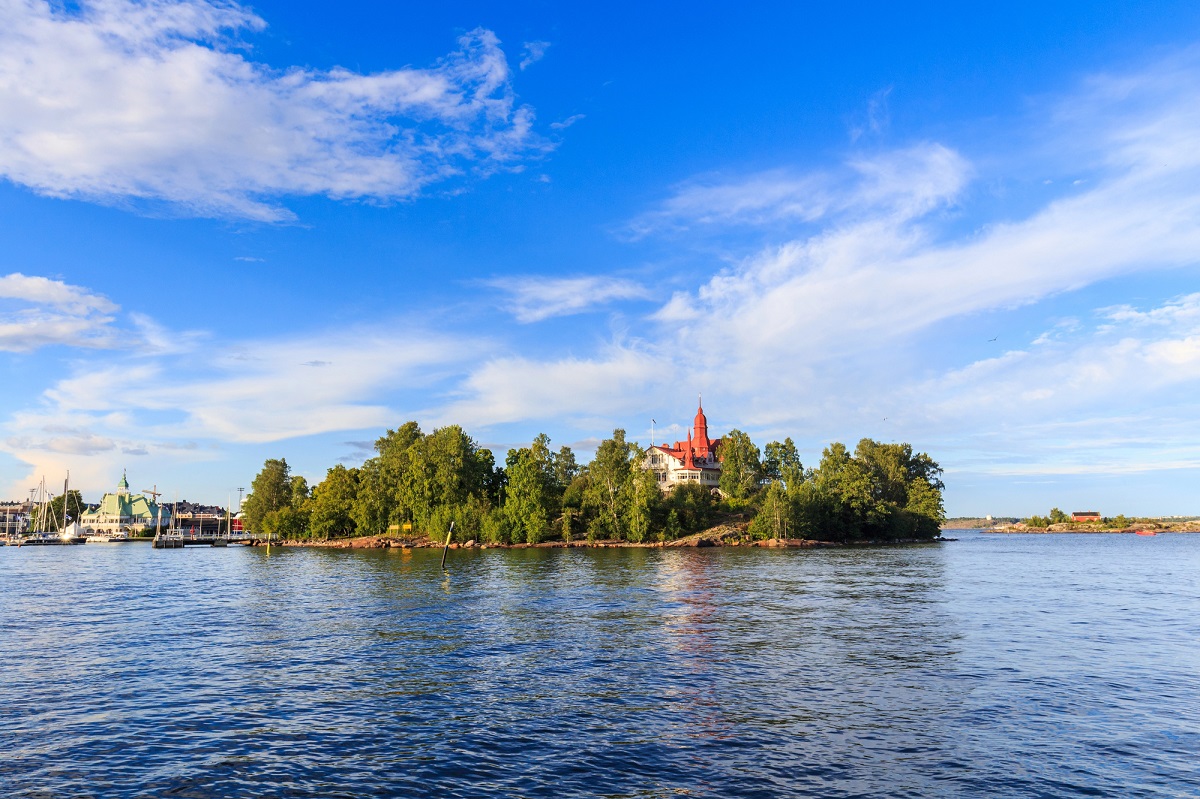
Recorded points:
1039,666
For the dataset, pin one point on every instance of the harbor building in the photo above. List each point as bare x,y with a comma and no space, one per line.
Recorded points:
123,512
696,460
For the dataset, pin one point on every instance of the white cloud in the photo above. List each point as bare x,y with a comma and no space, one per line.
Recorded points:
534,52
37,312
1119,395
568,122
517,389
150,101
886,269
837,330
229,393
908,182
877,117
533,299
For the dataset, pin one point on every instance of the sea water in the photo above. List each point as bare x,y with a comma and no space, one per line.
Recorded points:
995,665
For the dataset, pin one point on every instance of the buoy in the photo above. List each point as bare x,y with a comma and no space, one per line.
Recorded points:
449,533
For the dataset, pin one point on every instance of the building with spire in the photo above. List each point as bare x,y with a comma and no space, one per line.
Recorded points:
123,512
696,460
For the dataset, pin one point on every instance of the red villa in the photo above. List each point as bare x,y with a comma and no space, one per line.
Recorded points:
1085,516
698,459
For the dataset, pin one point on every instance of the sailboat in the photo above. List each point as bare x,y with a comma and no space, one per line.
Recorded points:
43,536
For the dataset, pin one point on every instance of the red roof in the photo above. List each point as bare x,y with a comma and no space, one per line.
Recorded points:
698,445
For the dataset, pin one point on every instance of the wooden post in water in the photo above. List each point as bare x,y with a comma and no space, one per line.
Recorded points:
449,533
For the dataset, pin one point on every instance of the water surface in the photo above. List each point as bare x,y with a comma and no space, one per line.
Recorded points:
1024,666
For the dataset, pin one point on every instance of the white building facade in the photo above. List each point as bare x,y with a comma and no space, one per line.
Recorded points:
696,460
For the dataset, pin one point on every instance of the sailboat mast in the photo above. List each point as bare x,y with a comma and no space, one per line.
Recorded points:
66,498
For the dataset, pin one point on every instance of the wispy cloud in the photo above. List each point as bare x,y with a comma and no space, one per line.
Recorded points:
568,122
121,101
875,119
839,327
532,299
218,395
518,389
908,181
38,312
534,52
1115,394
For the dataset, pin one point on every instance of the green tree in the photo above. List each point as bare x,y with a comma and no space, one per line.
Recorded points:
774,518
331,506
781,461
54,513
288,523
1058,517
671,529
925,509
568,534
740,467
643,497
565,468
529,492
377,503
692,505
299,490
270,491
607,494
844,488
444,468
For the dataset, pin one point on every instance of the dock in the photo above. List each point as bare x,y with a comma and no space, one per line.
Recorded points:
178,539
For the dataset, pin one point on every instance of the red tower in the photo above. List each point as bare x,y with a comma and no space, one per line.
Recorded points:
699,436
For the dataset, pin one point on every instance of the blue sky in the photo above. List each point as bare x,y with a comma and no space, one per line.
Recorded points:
233,232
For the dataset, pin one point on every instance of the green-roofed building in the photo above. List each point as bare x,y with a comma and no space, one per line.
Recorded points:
122,512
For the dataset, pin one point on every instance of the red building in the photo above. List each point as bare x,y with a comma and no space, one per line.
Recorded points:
1085,516
697,460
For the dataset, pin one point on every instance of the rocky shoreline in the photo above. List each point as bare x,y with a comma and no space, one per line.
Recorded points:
717,537
1085,528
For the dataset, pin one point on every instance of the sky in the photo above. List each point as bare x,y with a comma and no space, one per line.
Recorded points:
233,232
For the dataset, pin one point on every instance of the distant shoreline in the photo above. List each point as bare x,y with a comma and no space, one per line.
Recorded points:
1072,528
694,541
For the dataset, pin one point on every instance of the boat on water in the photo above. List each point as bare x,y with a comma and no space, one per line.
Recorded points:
50,539
118,537
67,534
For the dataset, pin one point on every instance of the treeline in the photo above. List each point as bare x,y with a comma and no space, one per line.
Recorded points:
1118,522
418,483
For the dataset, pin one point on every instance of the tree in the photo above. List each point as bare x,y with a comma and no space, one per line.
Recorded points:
1058,517
843,488
299,490
426,480
774,517
740,467
286,523
671,529
529,492
565,468
54,513
270,491
925,510
332,504
781,462
692,505
606,494
643,497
